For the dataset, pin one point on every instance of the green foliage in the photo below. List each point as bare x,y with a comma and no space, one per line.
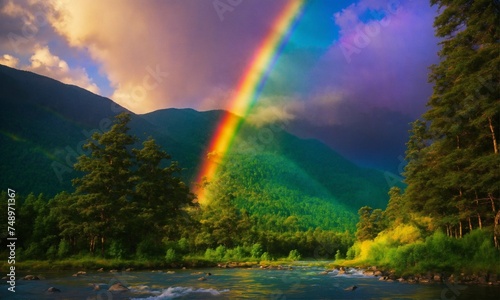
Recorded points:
183,245
238,253
294,255
338,255
149,248
438,252
278,194
371,222
256,250
171,256
265,257
116,250
63,249
453,152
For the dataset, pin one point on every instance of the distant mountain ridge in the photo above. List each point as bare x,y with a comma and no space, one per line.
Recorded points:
45,123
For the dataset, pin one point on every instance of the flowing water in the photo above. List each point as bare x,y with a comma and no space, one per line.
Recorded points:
254,283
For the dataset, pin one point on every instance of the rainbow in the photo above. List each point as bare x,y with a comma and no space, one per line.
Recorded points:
247,93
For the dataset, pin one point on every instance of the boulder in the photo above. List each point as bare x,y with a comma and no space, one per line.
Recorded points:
437,277
100,270
118,287
368,273
424,280
451,279
53,290
377,273
202,278
129,269
31,277
351,288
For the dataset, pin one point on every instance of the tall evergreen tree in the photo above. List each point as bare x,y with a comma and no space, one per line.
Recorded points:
454,178
103,193
160,196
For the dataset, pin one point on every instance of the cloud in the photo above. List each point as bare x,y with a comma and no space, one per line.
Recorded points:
193,49
45,63
382,61
372,81
24,25
274,110
9,61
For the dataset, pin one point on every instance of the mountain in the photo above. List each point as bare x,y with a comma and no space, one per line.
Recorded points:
45,123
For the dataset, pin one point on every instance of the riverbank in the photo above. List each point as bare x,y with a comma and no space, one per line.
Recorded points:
467,277
342,267
292,282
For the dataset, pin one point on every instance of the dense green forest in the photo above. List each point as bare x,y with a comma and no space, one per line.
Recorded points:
129,200
130,203
448,217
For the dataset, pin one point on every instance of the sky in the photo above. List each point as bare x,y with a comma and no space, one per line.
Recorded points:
352,74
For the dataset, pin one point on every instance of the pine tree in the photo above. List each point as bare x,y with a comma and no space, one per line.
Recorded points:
159,196
104,191
453,169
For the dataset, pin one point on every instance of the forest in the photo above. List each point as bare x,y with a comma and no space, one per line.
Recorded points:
448,216
129,202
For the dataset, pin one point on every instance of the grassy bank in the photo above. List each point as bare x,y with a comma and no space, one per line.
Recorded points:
404,252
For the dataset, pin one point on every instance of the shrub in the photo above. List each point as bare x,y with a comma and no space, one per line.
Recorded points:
237,253
183,246
294,255
338,255
265,256
220,252
116,250
170,256
63,249
256,250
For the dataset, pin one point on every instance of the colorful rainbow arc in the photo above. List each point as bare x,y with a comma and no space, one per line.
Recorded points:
247,92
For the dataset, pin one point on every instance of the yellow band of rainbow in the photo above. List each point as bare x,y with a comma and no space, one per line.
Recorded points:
246,93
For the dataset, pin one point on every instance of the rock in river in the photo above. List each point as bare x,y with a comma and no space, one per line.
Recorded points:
118,287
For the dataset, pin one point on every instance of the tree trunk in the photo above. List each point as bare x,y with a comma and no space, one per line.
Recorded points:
460,228
493,137
480,223
492,202
102,246
470,224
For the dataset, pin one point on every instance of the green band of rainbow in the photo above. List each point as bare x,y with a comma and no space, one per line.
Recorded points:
247,92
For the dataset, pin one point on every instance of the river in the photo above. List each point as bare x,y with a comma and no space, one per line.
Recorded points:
300,283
